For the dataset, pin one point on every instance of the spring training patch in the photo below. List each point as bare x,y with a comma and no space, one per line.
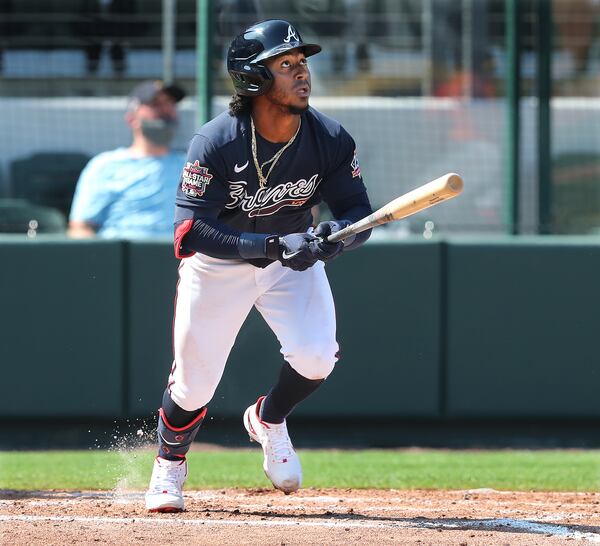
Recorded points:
194,179
355,166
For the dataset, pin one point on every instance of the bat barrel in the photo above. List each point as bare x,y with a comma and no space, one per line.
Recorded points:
455,182
441,189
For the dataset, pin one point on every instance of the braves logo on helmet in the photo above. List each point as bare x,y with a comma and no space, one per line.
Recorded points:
291,34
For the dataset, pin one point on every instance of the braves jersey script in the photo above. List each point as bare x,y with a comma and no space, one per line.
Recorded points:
220,179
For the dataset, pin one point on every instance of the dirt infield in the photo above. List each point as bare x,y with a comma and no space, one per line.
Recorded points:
260,516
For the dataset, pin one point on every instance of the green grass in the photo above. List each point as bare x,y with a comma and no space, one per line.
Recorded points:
430,469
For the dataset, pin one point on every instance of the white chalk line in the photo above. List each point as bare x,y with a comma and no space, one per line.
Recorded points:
324,502
541,528
338,509
489,524
336,504
213,522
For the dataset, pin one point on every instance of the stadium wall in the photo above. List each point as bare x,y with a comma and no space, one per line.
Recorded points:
485,328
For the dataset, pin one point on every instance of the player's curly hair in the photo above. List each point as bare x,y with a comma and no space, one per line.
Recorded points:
239,105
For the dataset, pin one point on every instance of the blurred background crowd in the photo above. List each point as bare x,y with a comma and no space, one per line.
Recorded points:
421,85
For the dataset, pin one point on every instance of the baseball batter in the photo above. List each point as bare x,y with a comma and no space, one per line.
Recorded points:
242,229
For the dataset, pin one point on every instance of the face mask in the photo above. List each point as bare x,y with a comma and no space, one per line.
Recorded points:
159,131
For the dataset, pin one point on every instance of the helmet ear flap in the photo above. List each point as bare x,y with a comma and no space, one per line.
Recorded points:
252,80
266,77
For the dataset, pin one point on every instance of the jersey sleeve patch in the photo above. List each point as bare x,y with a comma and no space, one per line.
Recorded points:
195,179
355,166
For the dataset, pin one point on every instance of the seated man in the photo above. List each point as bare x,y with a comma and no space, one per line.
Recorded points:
128,192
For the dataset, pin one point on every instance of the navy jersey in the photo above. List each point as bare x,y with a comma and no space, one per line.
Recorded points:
220,176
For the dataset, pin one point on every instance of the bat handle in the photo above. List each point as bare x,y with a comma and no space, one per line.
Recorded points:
339,235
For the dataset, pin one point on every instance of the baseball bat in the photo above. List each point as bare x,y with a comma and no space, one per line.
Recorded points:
441,189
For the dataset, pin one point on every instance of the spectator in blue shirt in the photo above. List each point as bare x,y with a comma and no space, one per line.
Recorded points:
129,192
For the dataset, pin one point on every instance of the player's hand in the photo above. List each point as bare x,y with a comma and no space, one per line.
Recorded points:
323,250
295,252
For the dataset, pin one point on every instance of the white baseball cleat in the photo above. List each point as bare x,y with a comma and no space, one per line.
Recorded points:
164,493
281,463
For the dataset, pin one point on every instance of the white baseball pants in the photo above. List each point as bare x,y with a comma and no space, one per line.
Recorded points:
214,298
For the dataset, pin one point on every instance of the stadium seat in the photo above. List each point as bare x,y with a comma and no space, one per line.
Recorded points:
20,216
576,193
47,178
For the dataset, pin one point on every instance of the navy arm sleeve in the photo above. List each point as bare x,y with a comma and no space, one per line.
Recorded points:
201,195
205,234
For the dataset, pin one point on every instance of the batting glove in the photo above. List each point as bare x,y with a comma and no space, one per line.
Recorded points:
323,250
293,250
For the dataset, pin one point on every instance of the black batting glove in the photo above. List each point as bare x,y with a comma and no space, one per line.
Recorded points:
320,248
292,250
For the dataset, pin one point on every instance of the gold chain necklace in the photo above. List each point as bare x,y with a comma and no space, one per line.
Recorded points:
262,179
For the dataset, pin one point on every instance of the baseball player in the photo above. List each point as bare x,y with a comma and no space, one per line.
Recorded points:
242,229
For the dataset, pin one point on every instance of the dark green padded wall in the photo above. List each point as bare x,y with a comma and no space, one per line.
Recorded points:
502,328
61,325
387,301
151,278
388,308
523,328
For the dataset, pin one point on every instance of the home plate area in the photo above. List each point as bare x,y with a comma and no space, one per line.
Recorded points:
311,516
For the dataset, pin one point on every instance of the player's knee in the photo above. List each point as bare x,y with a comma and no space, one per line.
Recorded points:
313,361
193,395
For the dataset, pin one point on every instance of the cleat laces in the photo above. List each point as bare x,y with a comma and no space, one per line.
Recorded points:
279,442
169,479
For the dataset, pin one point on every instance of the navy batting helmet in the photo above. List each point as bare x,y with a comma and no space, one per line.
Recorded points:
250,49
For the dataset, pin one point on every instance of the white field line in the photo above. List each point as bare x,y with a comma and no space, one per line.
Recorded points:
214,522
533,527
489,524
395,505
337,509
45,498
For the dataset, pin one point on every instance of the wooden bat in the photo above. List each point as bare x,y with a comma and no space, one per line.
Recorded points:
441,189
